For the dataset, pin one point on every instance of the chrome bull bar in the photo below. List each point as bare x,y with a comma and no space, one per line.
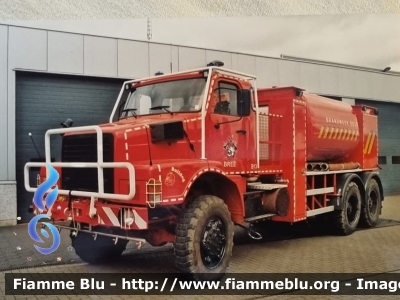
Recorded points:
100,165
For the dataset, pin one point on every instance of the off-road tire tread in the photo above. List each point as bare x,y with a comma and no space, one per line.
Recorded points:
365,219
185,232
340,224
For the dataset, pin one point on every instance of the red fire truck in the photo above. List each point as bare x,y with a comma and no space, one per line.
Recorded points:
187,156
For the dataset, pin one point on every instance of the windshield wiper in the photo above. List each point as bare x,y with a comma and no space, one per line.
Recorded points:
164,107
130,109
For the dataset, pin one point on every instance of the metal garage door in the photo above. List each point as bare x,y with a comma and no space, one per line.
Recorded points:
389,144
43,101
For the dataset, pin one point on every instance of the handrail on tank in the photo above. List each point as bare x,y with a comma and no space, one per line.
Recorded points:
100,165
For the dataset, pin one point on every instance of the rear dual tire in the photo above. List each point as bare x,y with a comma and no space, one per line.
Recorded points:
357,212
371,208
346,221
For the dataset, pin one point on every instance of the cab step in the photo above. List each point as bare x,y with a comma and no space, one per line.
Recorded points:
265,186
259,218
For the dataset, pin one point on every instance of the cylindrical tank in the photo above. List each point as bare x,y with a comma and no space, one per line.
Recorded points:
276,202
332,129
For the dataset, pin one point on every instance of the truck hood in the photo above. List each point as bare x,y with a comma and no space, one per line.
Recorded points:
132,123
133,140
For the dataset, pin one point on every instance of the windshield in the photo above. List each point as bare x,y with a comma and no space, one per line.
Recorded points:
165,97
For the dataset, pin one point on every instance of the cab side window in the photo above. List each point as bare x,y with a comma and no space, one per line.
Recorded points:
225,99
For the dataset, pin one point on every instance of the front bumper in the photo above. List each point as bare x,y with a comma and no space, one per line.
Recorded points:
96,213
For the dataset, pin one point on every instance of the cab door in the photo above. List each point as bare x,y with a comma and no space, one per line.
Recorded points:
226,132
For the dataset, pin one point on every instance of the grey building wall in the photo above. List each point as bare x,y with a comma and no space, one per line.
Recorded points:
84,55
3,102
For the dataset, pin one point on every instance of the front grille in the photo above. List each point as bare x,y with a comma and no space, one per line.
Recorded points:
83,148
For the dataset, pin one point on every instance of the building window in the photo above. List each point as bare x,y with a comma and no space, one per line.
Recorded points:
396,160
382,160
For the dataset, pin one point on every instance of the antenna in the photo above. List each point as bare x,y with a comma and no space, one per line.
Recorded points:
149,31
30,134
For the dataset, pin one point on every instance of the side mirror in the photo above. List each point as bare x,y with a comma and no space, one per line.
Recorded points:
67,124
244,103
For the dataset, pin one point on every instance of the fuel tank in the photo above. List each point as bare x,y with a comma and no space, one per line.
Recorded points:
332,129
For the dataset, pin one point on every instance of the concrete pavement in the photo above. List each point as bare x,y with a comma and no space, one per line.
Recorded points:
301,250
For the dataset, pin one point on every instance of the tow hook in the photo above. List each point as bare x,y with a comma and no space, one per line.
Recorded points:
251,232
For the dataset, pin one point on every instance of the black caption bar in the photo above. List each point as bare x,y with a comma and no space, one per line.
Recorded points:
181,284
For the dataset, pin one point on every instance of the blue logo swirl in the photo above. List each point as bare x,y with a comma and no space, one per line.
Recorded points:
38,201
44,187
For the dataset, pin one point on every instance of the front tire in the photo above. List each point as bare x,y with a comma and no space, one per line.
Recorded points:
346,220
371,209
204,239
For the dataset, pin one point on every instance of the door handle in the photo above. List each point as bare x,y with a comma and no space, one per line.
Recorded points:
241,131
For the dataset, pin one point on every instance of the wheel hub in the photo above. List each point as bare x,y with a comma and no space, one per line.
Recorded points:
349,209
352,209
213,243
372,202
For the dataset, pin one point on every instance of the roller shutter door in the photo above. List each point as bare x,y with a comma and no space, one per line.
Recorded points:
389,144
43,101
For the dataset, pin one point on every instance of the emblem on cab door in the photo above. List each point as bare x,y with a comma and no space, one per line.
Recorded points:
230,148
170,179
